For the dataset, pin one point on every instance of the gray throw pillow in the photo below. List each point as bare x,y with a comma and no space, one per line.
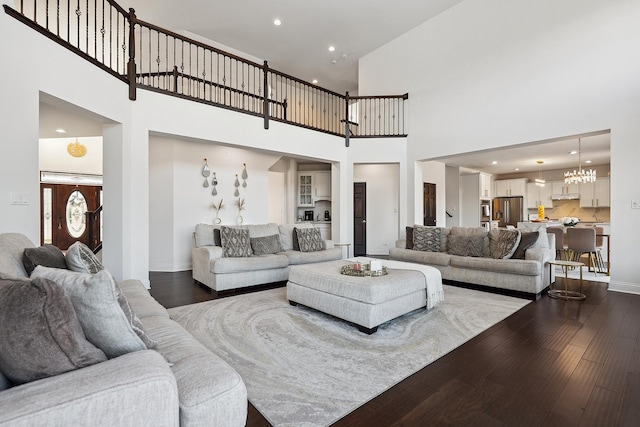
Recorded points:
427,239
81,259
527,240
409,238
235,242
266,245
503,243
466,245
134,321
309,239
47,255
40,333
95,300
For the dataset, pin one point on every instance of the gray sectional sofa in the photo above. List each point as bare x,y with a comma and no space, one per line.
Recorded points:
179,383
221,273
527,277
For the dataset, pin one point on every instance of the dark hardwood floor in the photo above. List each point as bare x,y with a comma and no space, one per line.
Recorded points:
553,363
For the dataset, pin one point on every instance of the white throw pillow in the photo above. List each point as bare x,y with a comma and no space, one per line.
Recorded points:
81,259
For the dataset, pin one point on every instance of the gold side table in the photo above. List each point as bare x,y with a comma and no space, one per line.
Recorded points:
565,293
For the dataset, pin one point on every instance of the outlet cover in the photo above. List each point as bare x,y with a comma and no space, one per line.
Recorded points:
635,204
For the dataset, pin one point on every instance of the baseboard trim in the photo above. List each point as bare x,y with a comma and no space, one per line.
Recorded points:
627,288
500,291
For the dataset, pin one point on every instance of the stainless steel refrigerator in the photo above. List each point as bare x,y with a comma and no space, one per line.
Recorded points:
508,210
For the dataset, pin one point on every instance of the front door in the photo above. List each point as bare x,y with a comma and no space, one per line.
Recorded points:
429,203
359,218
63,208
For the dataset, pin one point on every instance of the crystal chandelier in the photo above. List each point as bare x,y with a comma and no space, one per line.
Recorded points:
579,176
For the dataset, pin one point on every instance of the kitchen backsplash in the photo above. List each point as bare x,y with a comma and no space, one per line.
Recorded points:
562,208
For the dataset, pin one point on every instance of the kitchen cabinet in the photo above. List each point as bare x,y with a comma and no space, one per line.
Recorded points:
595,194
472,200
485,186
560,188
313,186
510,187
325,230
537,195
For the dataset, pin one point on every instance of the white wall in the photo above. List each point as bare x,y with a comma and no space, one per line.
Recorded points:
383,189
55,158
493,73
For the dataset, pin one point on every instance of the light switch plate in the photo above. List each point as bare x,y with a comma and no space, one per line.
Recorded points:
20,199
635,204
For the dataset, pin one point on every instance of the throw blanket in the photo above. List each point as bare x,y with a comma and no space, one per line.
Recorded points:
432,276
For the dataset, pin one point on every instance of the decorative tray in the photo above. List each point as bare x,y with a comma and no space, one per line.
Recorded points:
365,271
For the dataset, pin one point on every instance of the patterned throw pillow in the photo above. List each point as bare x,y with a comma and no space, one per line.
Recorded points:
409,239
466,245
309,239
235,242
503,243
266,245
81,259
528,239
427,239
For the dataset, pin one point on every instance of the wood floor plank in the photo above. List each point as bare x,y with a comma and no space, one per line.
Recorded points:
602,409
614,373
630,409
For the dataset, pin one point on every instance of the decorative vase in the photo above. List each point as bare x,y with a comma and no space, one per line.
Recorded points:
239,219
217,220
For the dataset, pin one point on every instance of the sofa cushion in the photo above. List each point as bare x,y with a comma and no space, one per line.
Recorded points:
235,242
286,234
409,238
309,239
444,236
543,241
473,231
47,255
513,266
427,238
140,300
503,243
420,257
95,300
81,259
266,245
468,246
134,321
204,235
527,240
12,246
254,263
39,331
297,257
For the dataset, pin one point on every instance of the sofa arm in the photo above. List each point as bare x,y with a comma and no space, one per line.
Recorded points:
201,262
134,389
328,244
401,244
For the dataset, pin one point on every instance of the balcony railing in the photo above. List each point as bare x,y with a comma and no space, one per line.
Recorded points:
146,56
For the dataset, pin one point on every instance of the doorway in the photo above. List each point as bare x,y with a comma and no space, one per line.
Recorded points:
429,203
359,218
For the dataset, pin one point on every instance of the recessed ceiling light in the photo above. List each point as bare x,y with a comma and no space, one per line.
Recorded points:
314,81
332,48
516,169
61,130
588,161
277,22
495,162
333,61
573,152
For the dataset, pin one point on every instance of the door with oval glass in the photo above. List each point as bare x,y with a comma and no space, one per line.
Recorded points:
63,212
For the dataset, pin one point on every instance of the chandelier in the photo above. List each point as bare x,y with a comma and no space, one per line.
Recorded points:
581,175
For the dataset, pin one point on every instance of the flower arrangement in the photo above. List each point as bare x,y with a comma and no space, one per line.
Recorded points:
218,207
569,221
240,204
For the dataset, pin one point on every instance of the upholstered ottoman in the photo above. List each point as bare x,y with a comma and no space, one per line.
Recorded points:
365,301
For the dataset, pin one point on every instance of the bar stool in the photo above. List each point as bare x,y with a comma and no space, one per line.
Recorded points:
561,247
602,266
582,241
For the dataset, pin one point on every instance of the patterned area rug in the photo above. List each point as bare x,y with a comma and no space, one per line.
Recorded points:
304,368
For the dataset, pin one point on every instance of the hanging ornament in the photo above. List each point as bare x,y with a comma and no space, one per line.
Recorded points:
244,184
206,172
244,171
236,183
214,180
236,193
214,192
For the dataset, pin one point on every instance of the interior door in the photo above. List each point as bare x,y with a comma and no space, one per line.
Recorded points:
63,208
429,203
359,218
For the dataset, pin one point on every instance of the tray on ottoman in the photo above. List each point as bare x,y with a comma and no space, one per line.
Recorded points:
365,301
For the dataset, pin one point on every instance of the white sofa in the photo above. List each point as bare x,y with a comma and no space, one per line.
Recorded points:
527,277
221,273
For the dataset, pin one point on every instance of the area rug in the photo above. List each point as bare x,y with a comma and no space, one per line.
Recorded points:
304,368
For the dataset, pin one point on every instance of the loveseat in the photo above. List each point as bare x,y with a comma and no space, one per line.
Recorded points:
480,259
180,382
219,272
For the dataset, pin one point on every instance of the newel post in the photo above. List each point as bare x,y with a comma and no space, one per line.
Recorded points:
346,120
266,95
131,65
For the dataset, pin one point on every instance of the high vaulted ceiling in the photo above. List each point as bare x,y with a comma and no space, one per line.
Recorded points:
300,45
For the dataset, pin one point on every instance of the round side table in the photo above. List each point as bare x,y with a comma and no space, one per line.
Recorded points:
565,293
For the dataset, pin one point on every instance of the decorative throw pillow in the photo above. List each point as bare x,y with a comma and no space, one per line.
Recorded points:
466,245
427,239
217,238
47,255
95,300
527,240
409,239
134,321
266,245
235,242
309,239
40,332
81,259
503,243
543,240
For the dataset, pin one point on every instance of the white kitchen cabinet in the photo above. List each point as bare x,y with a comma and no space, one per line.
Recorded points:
322,185
510,187
560,188
305,189
325,230
485,186
595,194
472,200
537,195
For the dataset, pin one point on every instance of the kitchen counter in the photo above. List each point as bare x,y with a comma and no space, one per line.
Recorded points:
313,222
